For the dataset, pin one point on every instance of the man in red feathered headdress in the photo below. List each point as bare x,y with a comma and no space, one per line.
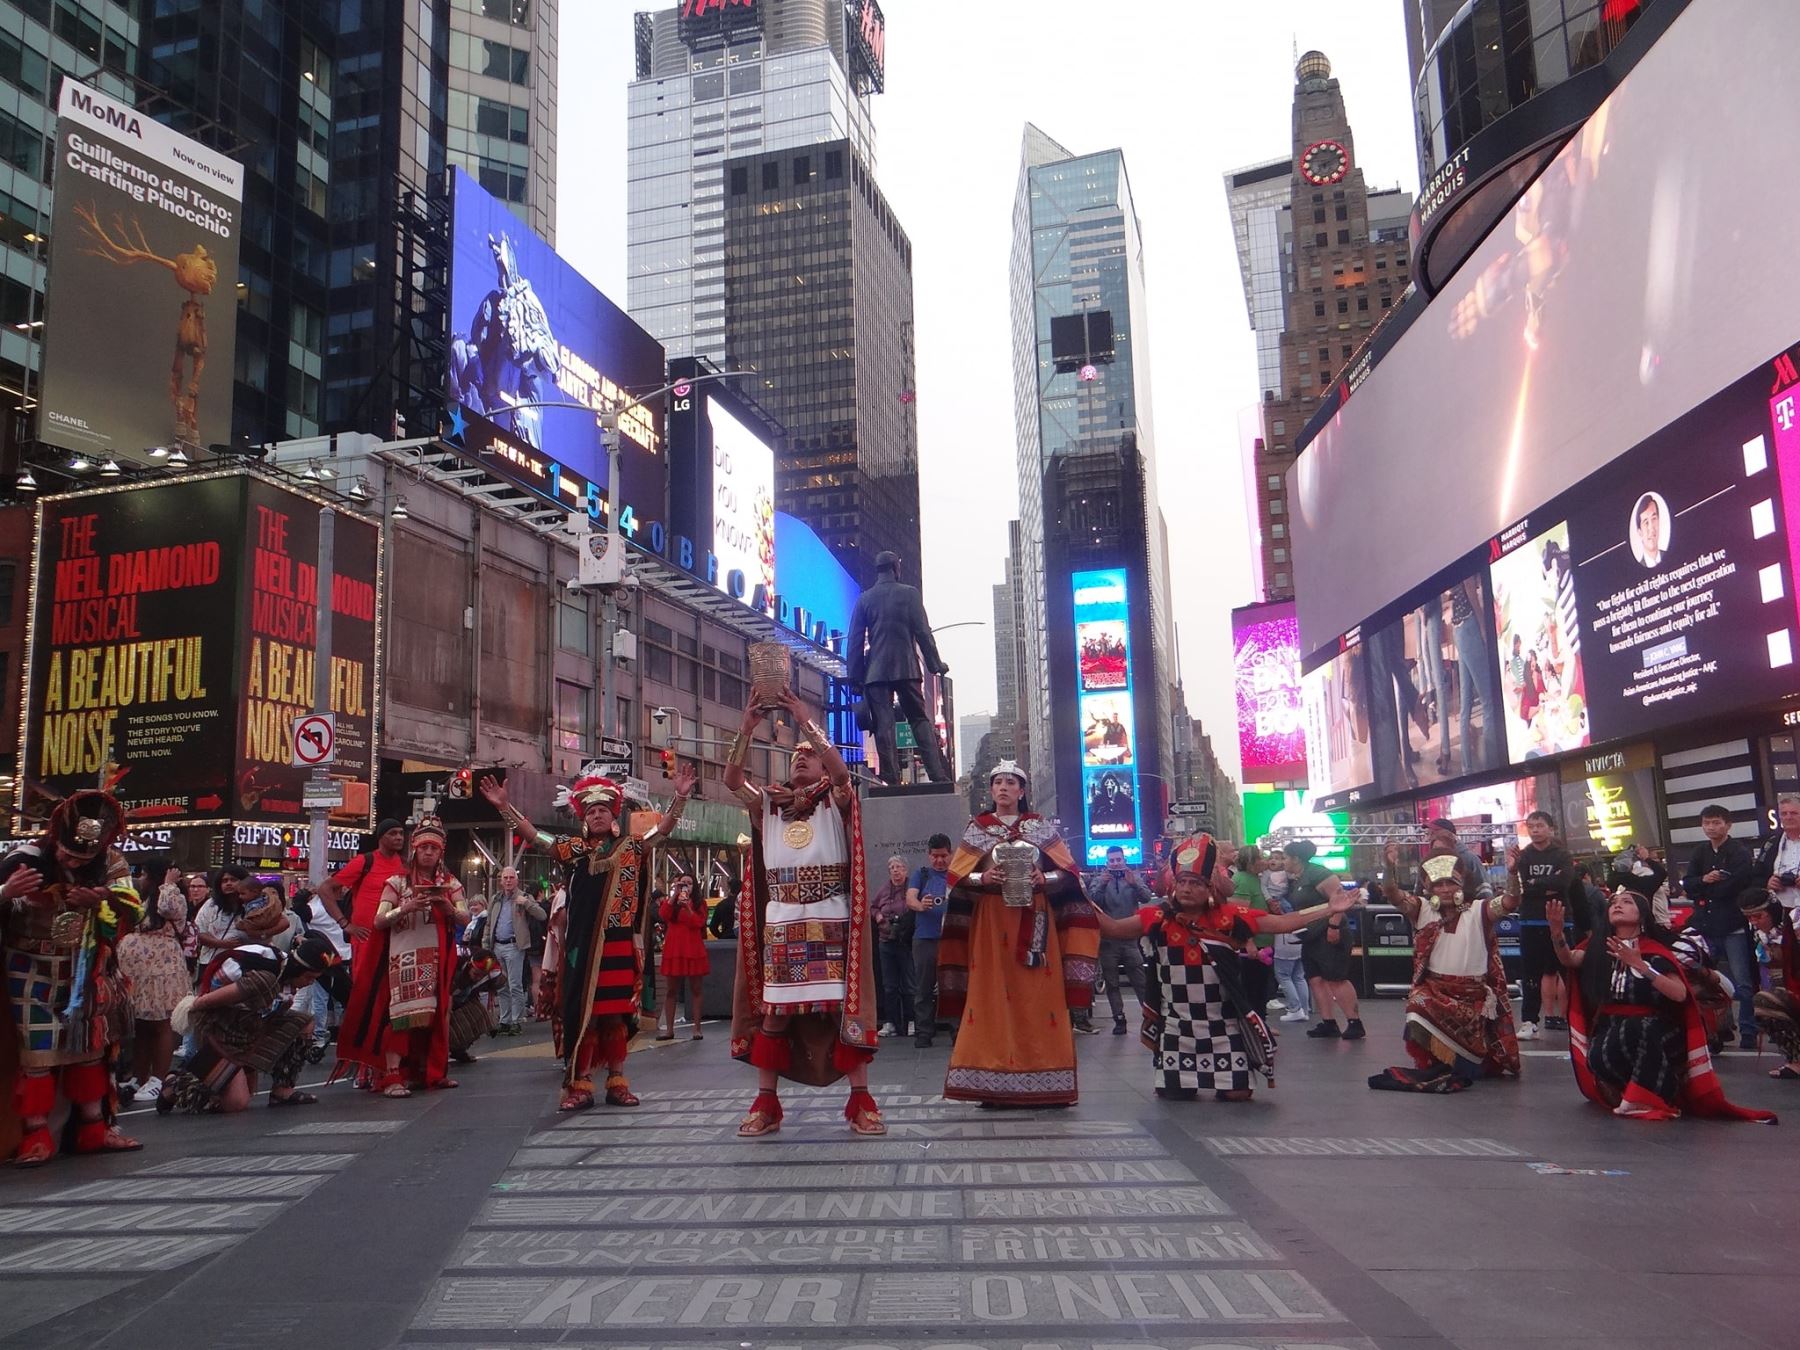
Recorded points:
601,982
1203,1029
804,1004
65,900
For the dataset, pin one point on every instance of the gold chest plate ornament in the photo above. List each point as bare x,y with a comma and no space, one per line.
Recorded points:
797,834
68,928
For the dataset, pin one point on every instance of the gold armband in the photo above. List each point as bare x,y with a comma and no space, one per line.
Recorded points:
815,735
740,750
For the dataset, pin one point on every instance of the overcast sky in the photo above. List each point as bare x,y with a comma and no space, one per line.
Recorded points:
1188,90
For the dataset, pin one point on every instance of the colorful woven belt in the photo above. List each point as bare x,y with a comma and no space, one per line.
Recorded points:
808,885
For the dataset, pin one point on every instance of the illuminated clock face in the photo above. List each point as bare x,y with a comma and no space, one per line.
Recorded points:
1324,162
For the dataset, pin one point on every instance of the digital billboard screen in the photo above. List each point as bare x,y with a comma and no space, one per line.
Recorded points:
1335,698
173,634
1609,801
1655,590
527,329
743,514
279,635
1265,643
1109,777
1433,712
144,234
1642,272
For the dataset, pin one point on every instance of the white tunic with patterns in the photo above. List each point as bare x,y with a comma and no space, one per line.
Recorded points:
807,924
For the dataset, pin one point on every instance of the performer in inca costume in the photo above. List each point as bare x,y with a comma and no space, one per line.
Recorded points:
804,1003
1202,1028
65,900
1013,968
1459,1023
397,1022
601,980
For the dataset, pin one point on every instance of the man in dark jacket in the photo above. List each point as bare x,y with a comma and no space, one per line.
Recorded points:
1718,870
888,633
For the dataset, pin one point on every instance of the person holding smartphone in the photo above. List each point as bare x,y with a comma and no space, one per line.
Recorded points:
925,898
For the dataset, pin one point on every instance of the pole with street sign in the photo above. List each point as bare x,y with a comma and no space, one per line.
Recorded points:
320,727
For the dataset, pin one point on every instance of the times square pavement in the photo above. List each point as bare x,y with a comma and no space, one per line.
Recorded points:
1323,1216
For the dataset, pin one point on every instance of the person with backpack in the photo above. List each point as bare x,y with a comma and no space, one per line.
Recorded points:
360,881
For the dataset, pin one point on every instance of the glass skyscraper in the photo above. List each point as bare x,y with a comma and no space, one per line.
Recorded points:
780,83
1086,461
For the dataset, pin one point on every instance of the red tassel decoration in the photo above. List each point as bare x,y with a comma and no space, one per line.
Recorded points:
35,1095
611,1042
85,1082
847,1057
860,1100
771,1052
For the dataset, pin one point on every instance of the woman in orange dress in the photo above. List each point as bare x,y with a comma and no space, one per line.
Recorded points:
1013,974
684,958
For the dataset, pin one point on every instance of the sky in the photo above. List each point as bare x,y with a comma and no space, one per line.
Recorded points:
1188,90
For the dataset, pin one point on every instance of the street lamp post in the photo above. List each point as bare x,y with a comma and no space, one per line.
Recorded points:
609,434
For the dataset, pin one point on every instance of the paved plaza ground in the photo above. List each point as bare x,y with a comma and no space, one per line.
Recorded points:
1322,1216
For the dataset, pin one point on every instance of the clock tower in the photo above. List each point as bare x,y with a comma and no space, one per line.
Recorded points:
1345,265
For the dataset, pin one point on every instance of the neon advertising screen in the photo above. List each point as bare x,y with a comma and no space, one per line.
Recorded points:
526,329
1266,674
1109,754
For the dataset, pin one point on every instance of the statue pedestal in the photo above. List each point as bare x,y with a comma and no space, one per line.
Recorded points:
900,820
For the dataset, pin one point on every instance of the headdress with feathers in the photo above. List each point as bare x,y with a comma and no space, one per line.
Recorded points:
592,790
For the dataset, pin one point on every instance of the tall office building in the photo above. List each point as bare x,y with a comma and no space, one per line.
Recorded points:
1425,20
716,82
818,301
971,730
1010,741
338,111
1258,196
1088,502
1345,264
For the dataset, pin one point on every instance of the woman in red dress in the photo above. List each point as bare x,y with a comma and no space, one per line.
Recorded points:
684,959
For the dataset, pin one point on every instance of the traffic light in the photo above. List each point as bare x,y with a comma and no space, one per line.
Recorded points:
668,762
462,785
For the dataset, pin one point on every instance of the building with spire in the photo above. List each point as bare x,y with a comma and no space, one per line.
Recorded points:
1345,263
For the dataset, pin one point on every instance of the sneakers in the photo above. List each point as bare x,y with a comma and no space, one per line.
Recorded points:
1528,1031
1087,1028
128,1090
1276,1004
887,1029
1556,1024
1325,1031
1118,1026
150,1091
1295,1015
1353,1029
922,1042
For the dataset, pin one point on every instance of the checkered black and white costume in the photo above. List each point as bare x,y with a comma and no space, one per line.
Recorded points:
1197,1037
1199,1044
